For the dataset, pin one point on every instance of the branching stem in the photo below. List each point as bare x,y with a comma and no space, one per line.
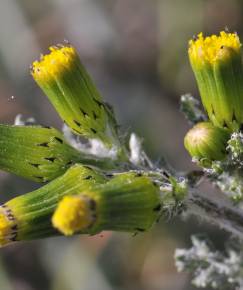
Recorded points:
216,211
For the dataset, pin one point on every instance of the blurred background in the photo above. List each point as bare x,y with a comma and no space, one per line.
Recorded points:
136,52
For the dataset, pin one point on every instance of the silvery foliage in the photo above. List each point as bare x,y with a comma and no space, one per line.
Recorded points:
209,267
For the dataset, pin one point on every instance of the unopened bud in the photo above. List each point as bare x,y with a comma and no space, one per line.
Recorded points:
205,141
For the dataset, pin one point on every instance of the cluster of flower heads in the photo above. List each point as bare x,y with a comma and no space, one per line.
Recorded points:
89,192
86,192
217,65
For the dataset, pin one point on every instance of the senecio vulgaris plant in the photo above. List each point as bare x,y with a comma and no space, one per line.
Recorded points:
95,179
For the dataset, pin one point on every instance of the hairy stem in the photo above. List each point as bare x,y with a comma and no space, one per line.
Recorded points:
216,211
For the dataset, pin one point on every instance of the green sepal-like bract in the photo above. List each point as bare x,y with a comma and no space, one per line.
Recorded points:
228,74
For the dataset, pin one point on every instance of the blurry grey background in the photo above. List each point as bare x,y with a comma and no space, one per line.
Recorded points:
136,52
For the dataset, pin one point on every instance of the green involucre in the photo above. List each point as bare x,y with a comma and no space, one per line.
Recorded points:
41,153
205,141
129,202
221,88
35,152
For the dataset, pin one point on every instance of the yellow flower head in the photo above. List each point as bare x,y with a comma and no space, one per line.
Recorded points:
63,78
60,59
216,63
208,49
73,214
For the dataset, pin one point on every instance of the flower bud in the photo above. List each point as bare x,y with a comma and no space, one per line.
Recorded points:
216,62
82,201
28,216
73,214
41,153
70,89
35,152
205,141
128,202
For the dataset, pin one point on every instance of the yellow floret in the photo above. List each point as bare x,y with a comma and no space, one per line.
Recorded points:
8,226
58,60
73,214
207,48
